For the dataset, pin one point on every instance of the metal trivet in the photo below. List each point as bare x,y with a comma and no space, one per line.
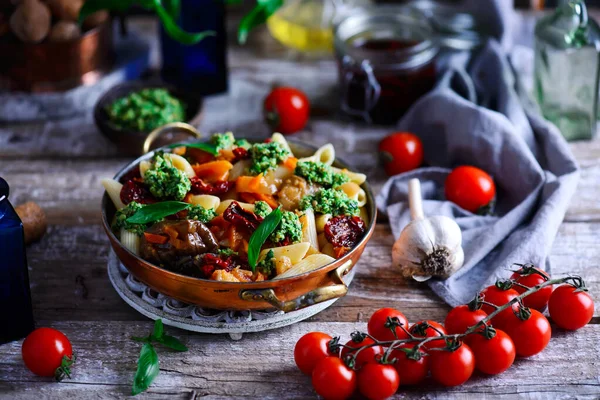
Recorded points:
155,305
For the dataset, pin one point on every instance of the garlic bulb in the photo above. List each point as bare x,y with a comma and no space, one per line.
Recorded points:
427,246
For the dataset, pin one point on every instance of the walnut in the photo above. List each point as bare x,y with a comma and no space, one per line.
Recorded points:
31,21
67,10
64,31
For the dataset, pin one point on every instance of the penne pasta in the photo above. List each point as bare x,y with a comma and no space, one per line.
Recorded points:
239,168
226,203
351,189
278,175
310,263
113,188
205,200
321,220
361,198
144,166
309,229
295,252
364,215
130,241
279,138
355,177
325,154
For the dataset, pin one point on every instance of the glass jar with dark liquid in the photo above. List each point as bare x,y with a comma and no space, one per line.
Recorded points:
386,62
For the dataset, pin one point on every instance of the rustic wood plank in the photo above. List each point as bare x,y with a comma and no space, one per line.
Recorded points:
261,366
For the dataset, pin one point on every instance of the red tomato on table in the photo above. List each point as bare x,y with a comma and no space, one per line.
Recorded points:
333,380
366,355
461,318
569,308
495,355
378,381
530,277
531,335
401,152
429,329
452,368
286,110
470,188
411,371
310,349
45,351
379,331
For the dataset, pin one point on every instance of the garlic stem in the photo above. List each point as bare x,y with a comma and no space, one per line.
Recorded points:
415,201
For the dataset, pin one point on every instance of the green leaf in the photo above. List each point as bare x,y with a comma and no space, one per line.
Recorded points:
159,330
157,211
261,234
257,16
175,31
91,6
207,147
173,7
172,343
145,339
147,369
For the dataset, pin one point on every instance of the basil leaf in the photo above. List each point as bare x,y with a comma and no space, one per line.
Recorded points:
173,7
145,339
157,211
147,369
159,330
176,32
261,234
207,147
172,343
257,16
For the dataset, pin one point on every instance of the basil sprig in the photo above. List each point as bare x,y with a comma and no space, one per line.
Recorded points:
261,234
148,365
157,211
257,16
207,147
167,11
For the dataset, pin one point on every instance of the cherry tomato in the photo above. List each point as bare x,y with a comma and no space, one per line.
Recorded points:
493,294
377,329
530,336
44,350
530,277
470,188
452,368
412,372
286,110
570,309
310,349
401,152
495,355
429,329
461,318
333,380
366,355
378,381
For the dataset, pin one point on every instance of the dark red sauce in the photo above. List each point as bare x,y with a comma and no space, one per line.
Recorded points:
399,88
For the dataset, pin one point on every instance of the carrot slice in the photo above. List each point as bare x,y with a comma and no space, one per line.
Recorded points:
290,163
154,238
213,171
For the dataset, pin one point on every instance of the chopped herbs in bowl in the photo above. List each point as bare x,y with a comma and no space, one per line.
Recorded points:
146,110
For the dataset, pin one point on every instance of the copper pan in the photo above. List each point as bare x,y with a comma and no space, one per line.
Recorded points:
287,294
56,66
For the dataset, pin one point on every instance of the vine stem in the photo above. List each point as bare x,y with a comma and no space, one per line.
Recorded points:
394,344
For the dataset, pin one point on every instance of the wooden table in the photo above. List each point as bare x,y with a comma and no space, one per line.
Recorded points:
59,164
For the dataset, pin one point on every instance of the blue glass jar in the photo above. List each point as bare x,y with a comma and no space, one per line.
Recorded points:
200,68
16,315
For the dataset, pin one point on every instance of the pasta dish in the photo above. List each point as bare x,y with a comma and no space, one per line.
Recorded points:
229,210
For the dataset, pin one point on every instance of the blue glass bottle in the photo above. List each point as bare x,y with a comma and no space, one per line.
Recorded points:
16,314
200,68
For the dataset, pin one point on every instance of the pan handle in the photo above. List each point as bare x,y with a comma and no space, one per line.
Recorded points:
180,127
318,295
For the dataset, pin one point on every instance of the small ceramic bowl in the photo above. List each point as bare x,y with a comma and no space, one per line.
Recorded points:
131,142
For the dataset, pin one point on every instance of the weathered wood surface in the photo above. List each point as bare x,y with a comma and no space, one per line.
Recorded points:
59,165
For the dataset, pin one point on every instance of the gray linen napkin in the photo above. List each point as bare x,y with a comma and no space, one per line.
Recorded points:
475,117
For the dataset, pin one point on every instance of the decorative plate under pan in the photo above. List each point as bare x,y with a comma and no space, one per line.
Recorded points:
155,305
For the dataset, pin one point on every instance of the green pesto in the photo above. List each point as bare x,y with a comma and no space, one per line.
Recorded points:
227,252
321,174
223,140
146,110
126,212
289,227
165,181
330,201
204,215
266,156
267,266
243,143
262,209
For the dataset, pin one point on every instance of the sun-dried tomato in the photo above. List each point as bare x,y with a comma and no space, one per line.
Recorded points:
218,262
133,190
131,174
241,218
201,187
344,231
240,153
207,270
